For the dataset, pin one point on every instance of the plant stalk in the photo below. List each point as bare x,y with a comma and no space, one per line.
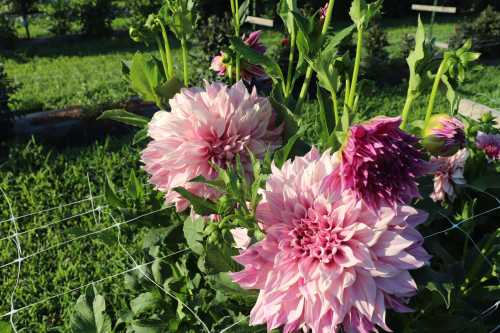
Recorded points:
406,109
357,64
168,52
335,110
185,60
291,59
435,87
163,57
309,72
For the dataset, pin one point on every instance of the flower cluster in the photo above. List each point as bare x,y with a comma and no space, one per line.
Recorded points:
206,126
449,174
328,260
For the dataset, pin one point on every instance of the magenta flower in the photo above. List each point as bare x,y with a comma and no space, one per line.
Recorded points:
380,163
248,70
205,126
449,174
327,260
444,135
490,144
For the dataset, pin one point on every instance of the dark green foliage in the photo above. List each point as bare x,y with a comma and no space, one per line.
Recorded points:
140,9
7,88
95,16
62,14
7,32
215,34
484,32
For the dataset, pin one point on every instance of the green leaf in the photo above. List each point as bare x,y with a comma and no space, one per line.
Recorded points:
200,205
145,77
286,10
282,154
150,326
110,194
90,314
168,90
435,282
362,13
140,136
145,302
332,43
5,327
219,258
135,186
270,66
488,179
193,232
125,117
222,282
417,61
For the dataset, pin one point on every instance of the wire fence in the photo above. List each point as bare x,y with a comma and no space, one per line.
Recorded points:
97,212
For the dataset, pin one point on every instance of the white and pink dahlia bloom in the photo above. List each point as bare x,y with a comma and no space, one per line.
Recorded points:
449,174
328,261
210,125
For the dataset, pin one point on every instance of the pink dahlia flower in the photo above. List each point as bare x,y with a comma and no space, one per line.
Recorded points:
327,260
205,126
449,174
444,135
490,144
248,70
380,163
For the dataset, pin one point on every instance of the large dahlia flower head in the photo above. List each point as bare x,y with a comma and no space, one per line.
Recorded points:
328,260
207,126
380,163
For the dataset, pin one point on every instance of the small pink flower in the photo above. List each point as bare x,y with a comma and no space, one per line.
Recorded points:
490,144
218,64
322,12
450,173
327,260
205,126
444,135
380,163
241,238
248,71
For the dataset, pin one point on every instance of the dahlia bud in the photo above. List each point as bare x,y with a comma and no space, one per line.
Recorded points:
443,135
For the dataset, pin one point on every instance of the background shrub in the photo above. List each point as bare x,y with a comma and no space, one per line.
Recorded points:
7,32
484,32
7,88
62,14
138,10
96,16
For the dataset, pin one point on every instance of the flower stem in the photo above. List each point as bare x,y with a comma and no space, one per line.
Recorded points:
168,52
291,59
163,57
236,20
435,87
309,72
355,73
410,97
185,60
335,110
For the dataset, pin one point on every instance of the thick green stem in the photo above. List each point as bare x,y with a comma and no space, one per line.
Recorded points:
355,73
185,61
335,110
163,57
309,72
291,59
168,52
410,97
435,88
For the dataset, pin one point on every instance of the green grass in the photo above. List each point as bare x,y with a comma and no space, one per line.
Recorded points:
36,178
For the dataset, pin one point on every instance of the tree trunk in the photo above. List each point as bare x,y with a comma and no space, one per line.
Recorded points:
26,26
